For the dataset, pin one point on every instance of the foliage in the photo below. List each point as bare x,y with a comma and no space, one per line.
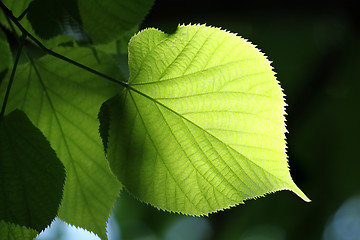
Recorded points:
199,126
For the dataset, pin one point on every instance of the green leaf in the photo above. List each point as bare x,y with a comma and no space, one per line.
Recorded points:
31,175
63,102
104,119
201,125
5,54
50,18
19,6
10,231
120,45
107,20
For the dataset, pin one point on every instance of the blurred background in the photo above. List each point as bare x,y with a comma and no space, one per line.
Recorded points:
315,50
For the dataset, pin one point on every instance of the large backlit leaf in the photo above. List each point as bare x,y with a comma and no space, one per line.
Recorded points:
201,126
63,102
31,176
106,20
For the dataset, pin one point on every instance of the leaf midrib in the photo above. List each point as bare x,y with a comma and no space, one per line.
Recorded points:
203,153
129,87
187,197
192,73
64,138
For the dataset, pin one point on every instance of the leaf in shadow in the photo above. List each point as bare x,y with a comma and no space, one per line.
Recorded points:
32,177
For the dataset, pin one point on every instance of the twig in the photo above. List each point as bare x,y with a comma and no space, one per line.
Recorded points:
22,15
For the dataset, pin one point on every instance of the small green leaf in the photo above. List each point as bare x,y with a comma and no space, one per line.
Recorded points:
201,125
31,175
63,102
104,119
107,20
10,231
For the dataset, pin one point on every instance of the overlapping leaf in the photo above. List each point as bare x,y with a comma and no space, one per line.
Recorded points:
50,18
63,102
5,54
106,20
11,231
31,176
89,20
201,126
17,7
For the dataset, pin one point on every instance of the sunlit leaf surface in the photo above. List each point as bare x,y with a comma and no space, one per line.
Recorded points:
201,126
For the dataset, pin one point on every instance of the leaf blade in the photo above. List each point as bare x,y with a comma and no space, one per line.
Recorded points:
195,107
121,16
52,18
12,231
32,177
5,54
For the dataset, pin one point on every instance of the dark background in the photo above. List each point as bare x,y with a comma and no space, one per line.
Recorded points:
315,51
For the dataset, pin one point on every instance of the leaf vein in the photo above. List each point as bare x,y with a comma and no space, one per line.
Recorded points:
187,197
193,73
